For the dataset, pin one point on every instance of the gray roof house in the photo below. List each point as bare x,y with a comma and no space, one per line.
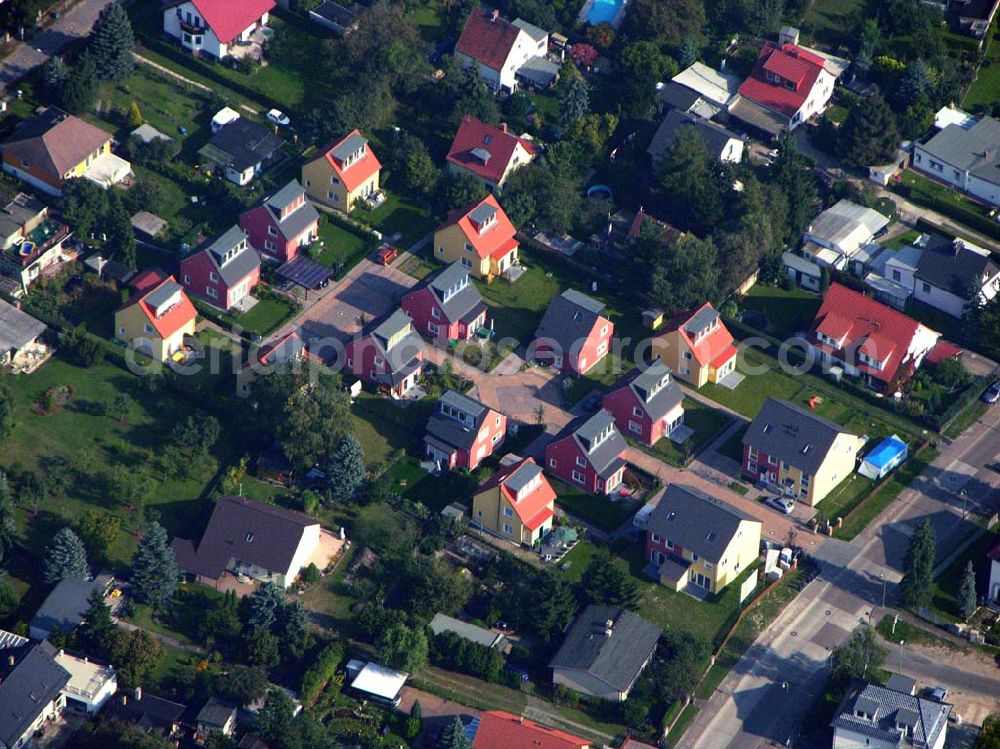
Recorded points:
966,157
395,339
443,623
291,223
18,330
950,271
453,293
335,16
232,256
588,452
217,715
646,403
31,682
879,716
64,607
723,144
240,149
455,426
604,652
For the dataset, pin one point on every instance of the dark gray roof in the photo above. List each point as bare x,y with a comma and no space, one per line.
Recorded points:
391,326
242,143
27,688
296,221
890,709
459,430
677,95
147,710
617,658
240,265
655,389
18,211
900,683
216,713
755,115
569,319
335,13
606,456
539,70
444,623
696,521
792,434
951,266
247,530
17,328
348,147
456,294
402,356
482,213
64,607
715,136
975,150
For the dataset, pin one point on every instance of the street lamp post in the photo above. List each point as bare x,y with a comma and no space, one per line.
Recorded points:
882,578
901,643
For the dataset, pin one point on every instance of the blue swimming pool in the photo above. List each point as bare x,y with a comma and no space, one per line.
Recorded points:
604,11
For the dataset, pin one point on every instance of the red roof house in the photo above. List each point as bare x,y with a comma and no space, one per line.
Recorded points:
697,346
212,27
868,339
481,238
157,315
488,153
500,730
505,52
343,173
788,85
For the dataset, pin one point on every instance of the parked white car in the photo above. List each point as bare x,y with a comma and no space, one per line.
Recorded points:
279,118
782,504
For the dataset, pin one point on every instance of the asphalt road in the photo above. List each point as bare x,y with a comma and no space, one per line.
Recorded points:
72,25
786,666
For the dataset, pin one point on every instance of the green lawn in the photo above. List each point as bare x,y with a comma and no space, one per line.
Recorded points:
267,315
399,215
430,18
598,511
342,246
788,312
985,91
828,23
906,239
517,308
949,201
434,492
687,718
384,428
844,497
967,418
946,586
707,422
576,560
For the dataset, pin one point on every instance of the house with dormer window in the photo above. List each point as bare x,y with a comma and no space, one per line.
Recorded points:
798,453
388,355
282,224
517,502
224,272
157,316
489,154
647,404
462,432
482,238
588,454
344,173
789,84
446,305
887,717
697,347
574,334
869,340
695,539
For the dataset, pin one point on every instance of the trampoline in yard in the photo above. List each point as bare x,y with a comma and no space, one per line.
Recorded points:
306,272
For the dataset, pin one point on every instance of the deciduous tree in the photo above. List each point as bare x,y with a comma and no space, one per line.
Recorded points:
6,411
403,648
135,654
859,657
8,526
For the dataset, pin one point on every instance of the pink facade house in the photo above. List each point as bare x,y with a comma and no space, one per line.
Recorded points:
388,355
589,454
573,335
446,305
646,404
224,272
463,432
282,224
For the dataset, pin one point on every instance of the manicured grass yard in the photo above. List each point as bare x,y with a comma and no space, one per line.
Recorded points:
576,560
787,312
828,22
517,307
985,91
707,422
844,497
599,511
430,18
266,315
399,215
342,245
899,241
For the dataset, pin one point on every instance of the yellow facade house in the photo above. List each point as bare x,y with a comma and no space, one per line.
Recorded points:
482,238
516,503
698,347
698,542
343,174
157,317
797,453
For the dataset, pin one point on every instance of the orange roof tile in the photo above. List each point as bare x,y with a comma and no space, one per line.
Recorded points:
360,171
175,317
496,240
500,730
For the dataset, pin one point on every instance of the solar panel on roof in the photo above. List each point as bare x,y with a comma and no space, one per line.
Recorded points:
305,272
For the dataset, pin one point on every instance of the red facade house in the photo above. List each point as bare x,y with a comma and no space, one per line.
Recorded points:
647,404
588,454
463,432
283,223
446,305
224,272
573,335
388,355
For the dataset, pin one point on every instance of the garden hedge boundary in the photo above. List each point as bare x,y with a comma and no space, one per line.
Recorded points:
964,216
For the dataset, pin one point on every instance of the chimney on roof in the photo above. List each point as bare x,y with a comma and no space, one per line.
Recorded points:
495,16
503,127
60,653
138,694
11,660
124,699
609,627
788,35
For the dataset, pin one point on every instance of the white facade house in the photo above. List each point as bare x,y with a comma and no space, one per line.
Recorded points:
951,273
214,27
835,236
965,156
500,48
883,718
90,684
993,589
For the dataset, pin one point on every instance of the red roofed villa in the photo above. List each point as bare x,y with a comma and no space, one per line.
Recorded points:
344,173
482,238
219,28
698,348
788,85
157,317
488,153
500,730
869,340
506,52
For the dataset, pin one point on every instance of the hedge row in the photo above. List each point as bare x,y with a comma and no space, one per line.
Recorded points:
965,216
318,675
